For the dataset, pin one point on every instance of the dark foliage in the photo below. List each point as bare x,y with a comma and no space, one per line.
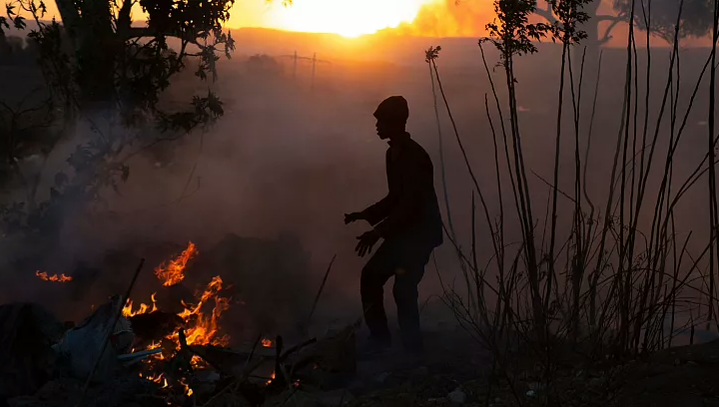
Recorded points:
660,16
106,78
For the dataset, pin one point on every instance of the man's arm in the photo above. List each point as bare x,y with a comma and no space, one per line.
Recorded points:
375,213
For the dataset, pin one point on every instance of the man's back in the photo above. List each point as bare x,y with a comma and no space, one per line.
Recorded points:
410,179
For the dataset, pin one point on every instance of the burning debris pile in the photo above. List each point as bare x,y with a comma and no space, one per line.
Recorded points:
126,354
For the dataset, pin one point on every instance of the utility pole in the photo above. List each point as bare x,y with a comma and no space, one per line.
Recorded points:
314,64
294,67
295,60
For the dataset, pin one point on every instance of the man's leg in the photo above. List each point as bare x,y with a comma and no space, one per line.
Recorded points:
374,275
406,294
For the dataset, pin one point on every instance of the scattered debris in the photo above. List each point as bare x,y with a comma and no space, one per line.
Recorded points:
457,396
82,346
28,331
157,355
127,355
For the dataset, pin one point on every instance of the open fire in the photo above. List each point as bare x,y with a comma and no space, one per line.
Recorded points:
184,353
62,278
200,320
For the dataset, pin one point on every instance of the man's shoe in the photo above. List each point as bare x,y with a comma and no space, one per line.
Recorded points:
410,360
373,348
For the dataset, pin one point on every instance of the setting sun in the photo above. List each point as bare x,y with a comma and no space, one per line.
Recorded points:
349,18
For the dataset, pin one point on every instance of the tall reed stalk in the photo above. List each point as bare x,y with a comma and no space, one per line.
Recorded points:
606,280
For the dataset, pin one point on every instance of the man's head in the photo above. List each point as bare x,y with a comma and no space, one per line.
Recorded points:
391,116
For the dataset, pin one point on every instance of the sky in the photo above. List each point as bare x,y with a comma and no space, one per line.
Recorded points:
352,18
345,17
426,18
355,18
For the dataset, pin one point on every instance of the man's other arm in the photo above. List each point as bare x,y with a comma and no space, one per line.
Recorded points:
380,210
375,213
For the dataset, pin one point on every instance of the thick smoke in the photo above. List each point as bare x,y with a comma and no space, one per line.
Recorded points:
295,150
451,18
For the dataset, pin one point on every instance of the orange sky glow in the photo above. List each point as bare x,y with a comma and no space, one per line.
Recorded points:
349,18
356,18
426,18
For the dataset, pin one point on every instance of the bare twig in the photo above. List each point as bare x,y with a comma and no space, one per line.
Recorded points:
319,292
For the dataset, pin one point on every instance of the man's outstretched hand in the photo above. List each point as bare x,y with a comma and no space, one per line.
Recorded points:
352,217
366,242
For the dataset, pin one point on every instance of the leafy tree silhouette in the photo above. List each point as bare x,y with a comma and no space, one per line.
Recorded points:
657,16
106,76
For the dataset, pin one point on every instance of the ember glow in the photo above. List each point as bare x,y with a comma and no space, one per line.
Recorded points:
62,278
173,273
268,343
159,379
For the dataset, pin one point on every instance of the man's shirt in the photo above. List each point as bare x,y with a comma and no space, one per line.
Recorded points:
410,208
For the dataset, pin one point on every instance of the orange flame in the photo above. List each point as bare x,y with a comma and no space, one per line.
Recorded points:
202,328
62,278
201,319
205,328
268,343
173,272
127,311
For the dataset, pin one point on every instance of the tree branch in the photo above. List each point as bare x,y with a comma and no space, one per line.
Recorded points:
618,18
546,13
140,32
608,33
69,13
123,20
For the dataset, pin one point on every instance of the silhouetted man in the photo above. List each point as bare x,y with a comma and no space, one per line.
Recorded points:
408,220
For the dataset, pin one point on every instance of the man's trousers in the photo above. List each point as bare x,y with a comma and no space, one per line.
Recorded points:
404,259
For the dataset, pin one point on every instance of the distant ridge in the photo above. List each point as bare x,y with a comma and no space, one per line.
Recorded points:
384,47
381,47
376,47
